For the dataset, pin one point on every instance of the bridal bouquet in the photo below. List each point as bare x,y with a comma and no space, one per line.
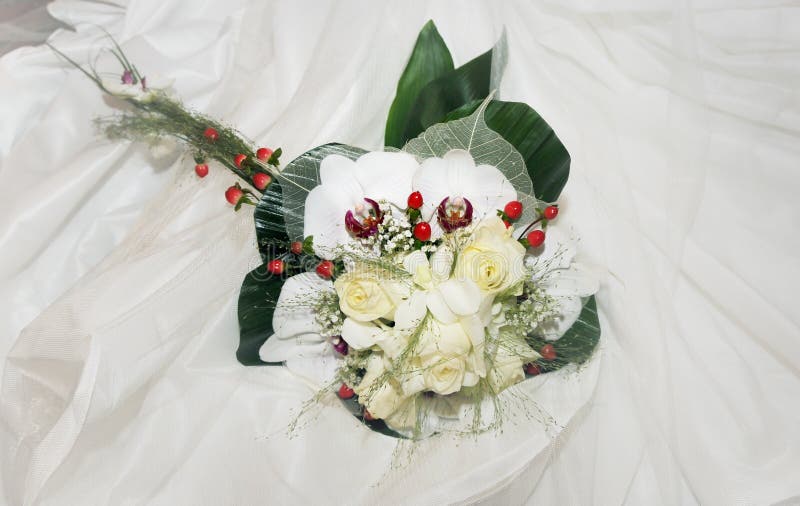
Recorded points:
419,282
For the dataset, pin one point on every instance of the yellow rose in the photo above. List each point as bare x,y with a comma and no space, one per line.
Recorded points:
364,297
494,259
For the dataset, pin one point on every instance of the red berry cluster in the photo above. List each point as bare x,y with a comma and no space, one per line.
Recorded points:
422,229
534,238
260,179
548,353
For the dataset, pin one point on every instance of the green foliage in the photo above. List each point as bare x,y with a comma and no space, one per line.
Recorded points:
452,90
257,299
546,158
429,60
270,227
162,116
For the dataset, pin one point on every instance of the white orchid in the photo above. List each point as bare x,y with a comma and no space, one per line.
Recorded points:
297,338
455,183
565,279
354,187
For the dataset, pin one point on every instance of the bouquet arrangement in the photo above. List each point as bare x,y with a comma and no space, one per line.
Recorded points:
419,282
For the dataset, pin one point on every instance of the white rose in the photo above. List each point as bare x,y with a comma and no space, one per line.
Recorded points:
494,260
364,296
443,375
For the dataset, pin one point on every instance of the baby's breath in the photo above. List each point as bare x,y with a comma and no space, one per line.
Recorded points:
328,315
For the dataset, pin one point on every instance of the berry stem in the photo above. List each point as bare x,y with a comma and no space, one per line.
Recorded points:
527,229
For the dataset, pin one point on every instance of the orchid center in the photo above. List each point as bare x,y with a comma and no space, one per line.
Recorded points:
454,213
362,221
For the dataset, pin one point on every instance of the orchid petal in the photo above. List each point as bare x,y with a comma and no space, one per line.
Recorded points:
462,296
359,335
386,176
337,172
324,220
439,308
569,310
576,281
294,315
442,262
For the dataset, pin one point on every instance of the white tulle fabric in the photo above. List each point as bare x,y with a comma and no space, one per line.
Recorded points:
120,272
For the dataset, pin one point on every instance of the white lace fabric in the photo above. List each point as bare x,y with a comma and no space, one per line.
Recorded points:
120,273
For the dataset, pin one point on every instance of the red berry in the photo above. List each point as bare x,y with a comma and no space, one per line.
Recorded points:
550,212
233,195
345,392
368,416
533,369
275,267
261,180
297,247
201,169
422,231
536,238
211,134
548,352
507,223
263,154
513,209
239,160
415,200
325,269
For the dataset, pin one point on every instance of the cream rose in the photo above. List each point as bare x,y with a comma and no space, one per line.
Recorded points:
494,260
444,375
376,391
364,297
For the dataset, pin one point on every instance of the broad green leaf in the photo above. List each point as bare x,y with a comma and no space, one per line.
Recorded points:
257,299
545,156
578,343
297,179
486,147
429,60
452,90
270,227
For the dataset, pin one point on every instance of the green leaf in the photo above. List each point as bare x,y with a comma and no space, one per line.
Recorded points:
545,156
308,245
429,60
298,178
452,90
270,228
577,344
257,299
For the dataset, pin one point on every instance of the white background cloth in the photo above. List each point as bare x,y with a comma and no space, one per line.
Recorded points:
120,272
